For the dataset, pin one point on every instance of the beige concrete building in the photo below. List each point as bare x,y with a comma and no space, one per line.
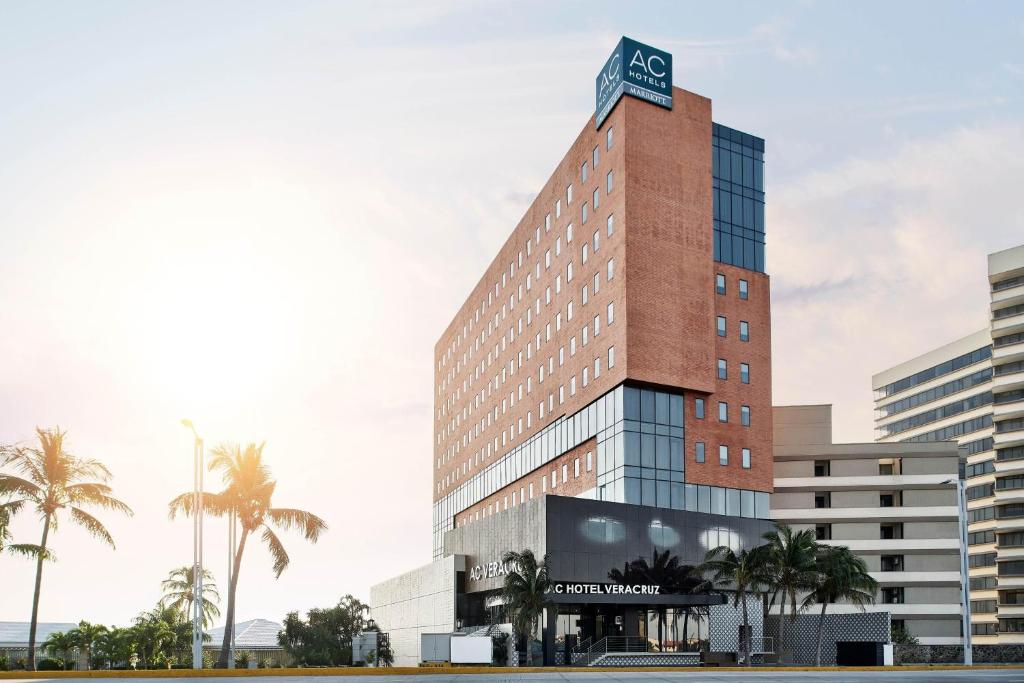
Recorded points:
972,391
895,505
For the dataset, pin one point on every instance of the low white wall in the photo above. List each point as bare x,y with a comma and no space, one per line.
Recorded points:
417,602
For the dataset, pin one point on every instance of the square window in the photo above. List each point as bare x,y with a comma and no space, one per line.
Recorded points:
746,458
744,294
723,455
723,369
719,284
699,451
720,323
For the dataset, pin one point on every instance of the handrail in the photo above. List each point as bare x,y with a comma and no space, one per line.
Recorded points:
615,644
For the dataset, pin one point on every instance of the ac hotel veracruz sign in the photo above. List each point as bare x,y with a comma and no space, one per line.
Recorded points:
637,70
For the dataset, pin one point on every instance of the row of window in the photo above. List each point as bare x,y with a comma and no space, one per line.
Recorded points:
723,371
517,497
721,287
723,454
935,371
886,531
935,393
936,414
952,431
721,328
723,411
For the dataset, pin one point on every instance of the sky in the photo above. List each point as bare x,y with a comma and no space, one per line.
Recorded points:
262,215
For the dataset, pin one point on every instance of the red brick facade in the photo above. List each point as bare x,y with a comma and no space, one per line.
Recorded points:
665,308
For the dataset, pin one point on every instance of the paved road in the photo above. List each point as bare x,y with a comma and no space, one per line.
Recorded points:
698,675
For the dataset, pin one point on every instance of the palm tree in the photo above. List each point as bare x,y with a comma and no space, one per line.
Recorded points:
115,646
155,637
59,644
745,572
525,594
7,511
84,637
662,570
53,480
793,570
178,593
248,490
841,576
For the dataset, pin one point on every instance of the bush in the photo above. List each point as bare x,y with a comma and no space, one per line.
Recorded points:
50,664
5,664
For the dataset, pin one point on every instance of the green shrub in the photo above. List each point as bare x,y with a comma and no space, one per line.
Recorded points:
5,663
50,664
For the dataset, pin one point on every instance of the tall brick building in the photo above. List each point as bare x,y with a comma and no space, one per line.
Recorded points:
605,389
640,264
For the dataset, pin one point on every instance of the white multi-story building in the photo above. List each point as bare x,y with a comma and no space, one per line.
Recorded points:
972,391
894,505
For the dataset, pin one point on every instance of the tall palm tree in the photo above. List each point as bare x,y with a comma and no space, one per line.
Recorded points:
742,573
59,644
178,593
248,490
525,594
53,480
841,576
662,570
793,570
84,637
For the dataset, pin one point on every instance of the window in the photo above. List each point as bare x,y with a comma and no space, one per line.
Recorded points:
744,373
892,563
597,156
611,269
821,468
719,284
565,471
981,560
608,138
611,356
611,224
590,460
744,331
723,455
576,468
720,322
584,212
568,194
597,198
984,537
584,172
743,290
568,234
611,312
586,295
890,531
893,595
558,208
746,458
889,499
745,416
823,532
597,324
609,182
822,499
698,451
698,408
723,369
723,411
597,241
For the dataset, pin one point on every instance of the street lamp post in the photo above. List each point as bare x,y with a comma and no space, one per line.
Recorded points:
198,461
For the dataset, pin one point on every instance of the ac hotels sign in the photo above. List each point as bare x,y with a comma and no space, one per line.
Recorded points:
637,70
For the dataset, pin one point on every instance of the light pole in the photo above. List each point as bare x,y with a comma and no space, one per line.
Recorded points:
965,598
198,461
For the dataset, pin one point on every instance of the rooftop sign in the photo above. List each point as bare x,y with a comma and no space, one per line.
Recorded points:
633,69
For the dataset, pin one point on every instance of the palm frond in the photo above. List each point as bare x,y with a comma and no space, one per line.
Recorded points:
92,525
277,551
11,485
216,504
30,550
291,518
